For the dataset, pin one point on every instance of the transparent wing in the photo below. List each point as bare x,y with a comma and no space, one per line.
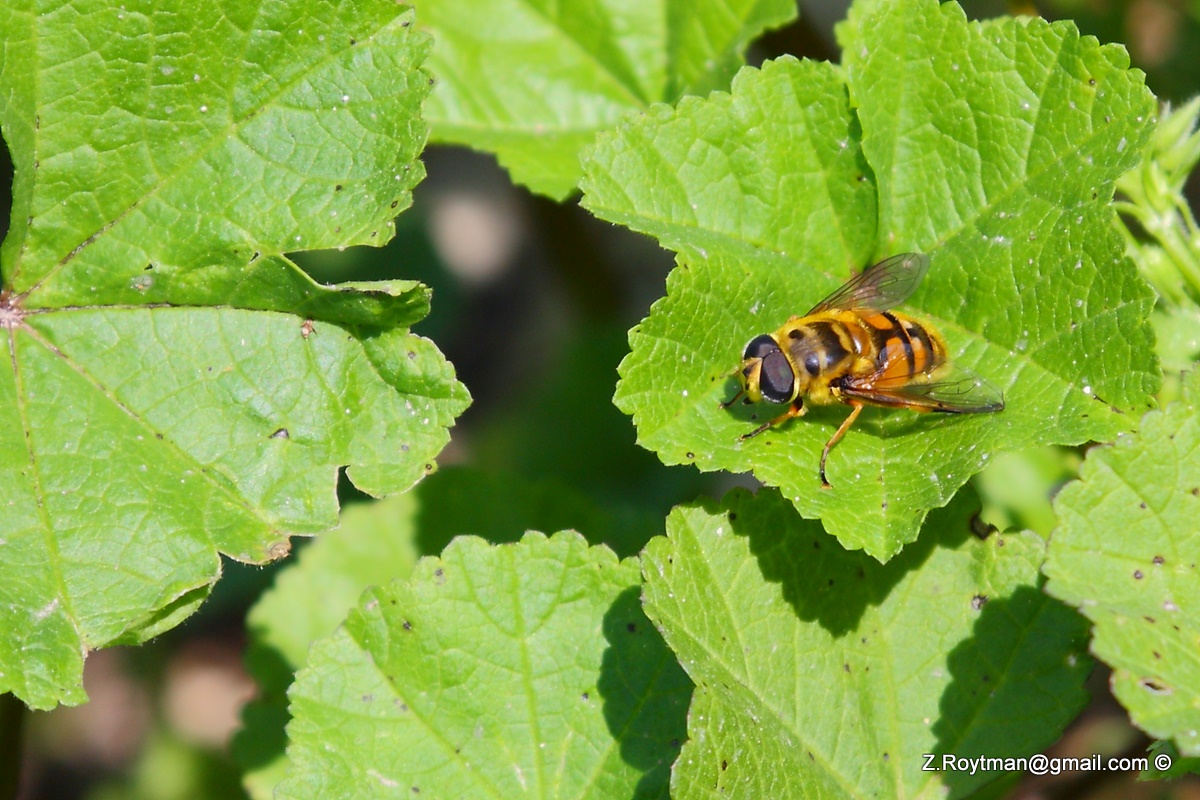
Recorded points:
880,286
958,391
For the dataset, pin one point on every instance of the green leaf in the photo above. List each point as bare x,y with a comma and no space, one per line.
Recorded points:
533,82
374,544
821,673
1125,554
517,670
991,147
176,387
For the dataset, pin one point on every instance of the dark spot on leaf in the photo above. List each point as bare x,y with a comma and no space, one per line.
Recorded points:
690,454
1156,654
148,266
282,433
404,448
429,467
1142,506
810,756
404,24
977,602
887,757
1155,686
816,545
845,668
407,625
368,698
674,743
395,203
337,187
1107,118
1196,492
1157,561
1137,574
1150,619
158,436
985,678
724,765
353,41
412,354
1091,81
883,506
586,696
980,528
631,627
416,790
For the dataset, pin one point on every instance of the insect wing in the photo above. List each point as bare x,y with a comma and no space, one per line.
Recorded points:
959,392
880,286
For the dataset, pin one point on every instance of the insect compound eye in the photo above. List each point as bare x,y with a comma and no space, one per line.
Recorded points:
777,380
760,347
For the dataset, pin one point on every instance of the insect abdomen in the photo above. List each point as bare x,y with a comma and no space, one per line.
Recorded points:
904,348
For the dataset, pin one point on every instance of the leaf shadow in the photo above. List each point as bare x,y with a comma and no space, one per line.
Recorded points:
646,694
1016,683
821,580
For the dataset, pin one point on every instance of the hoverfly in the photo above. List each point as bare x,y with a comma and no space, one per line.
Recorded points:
851,349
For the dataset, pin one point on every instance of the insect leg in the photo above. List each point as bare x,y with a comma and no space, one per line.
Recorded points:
796,409
733,399
837,437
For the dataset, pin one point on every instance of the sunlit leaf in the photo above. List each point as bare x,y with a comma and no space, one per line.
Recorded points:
1126,553
992,147
517,670
533,82
176,388
822,673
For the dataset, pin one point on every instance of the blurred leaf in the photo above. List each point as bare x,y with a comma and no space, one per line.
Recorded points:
822,673
179,389
524,669
534,81
992,147
1165,240
501,507
562,426
1177,767
1125,554
1017,487
168,769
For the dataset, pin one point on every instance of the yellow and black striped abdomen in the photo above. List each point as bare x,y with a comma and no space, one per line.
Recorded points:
905,350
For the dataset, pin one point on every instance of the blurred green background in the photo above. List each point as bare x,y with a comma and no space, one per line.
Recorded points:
532,301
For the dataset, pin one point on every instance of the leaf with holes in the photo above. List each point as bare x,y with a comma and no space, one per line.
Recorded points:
517,670
992,147
1125,553
838,685
176,388
533,82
